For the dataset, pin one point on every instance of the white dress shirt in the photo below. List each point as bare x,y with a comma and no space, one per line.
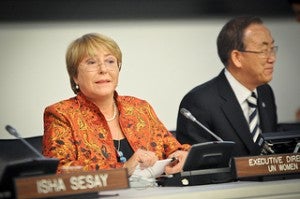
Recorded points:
241,93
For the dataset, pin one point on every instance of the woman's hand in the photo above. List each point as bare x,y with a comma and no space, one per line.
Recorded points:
180,157
141,157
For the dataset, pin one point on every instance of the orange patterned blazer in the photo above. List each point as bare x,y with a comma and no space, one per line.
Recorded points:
76,132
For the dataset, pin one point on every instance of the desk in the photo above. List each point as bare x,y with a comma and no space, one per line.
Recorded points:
287,189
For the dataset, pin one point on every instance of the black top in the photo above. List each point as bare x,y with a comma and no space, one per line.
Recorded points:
124,147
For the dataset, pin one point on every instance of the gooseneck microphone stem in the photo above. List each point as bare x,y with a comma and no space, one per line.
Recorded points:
214,135
189,116
14,133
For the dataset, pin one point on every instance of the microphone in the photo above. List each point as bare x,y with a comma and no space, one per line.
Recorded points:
14,133
189,116
266,148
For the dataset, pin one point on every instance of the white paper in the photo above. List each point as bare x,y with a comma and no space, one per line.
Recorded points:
152,172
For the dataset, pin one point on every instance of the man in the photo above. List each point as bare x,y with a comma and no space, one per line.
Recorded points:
248,52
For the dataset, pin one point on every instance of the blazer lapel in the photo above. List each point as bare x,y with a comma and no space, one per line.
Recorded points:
263,114
234,114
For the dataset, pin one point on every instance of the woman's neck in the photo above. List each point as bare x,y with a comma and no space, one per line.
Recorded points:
106,105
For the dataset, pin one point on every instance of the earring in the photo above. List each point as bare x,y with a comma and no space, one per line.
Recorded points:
76,87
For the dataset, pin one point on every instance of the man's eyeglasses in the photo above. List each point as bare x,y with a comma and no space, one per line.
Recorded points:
264,53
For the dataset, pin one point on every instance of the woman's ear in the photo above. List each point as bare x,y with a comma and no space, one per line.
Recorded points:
236,58
75,80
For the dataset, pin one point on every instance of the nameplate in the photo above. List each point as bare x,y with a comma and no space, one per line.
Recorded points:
265,165
48,186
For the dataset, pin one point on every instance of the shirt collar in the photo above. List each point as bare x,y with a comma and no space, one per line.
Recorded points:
240,91
84,100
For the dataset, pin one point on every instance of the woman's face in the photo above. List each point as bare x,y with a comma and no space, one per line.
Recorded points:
98,75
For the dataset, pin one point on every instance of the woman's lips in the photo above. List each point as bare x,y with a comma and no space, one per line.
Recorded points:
102,81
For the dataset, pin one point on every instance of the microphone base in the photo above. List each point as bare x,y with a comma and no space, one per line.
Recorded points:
24,168
198,177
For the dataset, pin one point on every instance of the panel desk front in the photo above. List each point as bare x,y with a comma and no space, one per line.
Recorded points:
287,189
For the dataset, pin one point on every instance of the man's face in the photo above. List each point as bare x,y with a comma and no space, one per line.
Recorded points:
258,62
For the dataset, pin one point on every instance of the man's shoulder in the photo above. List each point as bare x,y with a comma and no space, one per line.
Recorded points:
265,88
208,87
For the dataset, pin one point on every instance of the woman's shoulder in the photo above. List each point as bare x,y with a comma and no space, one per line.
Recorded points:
63,104
132,100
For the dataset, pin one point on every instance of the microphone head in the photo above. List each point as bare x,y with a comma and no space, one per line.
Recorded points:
184,112
11,131
187,114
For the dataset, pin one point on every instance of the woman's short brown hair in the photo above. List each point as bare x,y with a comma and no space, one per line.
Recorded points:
86,46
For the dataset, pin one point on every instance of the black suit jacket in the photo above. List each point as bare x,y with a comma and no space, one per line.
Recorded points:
215,105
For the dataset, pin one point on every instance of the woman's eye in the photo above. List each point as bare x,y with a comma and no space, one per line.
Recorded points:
110,61
91,62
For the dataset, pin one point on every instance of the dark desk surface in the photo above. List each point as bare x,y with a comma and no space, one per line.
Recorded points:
284,135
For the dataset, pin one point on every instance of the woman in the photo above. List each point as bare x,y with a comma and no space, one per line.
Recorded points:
98,129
